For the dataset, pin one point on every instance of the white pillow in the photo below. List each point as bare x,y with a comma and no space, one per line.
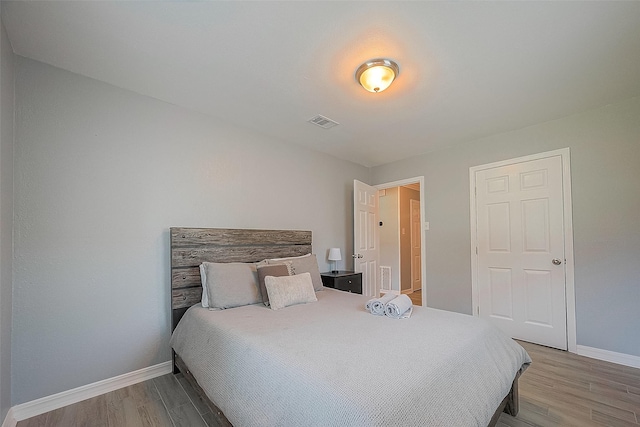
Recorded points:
289,290
287,258
203,279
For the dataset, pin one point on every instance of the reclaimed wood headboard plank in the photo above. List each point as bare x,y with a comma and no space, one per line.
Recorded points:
237,237
189,257
186,297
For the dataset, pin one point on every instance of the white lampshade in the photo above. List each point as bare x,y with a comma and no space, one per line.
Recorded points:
334,254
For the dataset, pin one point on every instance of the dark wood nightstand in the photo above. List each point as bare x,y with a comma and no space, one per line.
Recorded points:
348,281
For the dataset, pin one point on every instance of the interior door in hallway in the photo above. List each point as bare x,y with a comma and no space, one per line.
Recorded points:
520,250
366,236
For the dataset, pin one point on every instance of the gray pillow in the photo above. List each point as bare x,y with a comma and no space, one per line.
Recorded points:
304,264
275,270
231,284
289,290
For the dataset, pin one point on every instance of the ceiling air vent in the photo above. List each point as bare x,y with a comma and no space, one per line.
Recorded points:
323,122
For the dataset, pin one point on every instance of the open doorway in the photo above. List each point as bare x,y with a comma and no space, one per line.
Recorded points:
401,239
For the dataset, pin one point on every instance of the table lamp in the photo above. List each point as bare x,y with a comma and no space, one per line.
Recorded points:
335,256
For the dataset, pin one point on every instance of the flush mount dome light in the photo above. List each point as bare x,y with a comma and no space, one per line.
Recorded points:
377,74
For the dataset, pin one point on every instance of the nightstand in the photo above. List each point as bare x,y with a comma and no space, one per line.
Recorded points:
348,281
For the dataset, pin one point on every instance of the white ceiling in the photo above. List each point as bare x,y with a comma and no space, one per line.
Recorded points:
467,69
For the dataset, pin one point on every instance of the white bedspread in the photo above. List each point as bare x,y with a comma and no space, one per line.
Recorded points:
331,363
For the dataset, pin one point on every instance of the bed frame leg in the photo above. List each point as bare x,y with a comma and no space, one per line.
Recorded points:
513,405
176,370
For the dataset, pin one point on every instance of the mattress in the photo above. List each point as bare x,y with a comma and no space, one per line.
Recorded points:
331,363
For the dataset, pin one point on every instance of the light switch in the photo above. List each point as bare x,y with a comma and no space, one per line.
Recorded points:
404,231
426,225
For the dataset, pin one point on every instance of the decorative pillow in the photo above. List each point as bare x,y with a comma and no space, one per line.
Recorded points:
304,264
275,270
289,290
229,285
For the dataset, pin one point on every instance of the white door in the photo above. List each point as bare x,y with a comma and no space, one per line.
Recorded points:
416,246
520,238
365,236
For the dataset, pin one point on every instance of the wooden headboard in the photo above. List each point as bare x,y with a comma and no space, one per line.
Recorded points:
192,246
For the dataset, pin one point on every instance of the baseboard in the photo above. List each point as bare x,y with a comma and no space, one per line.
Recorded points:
609,356
59,400
10,419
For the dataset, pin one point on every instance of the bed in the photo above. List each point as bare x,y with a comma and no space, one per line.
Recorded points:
330,362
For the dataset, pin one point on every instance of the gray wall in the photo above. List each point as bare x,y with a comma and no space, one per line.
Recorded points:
605,172
6,217
101,174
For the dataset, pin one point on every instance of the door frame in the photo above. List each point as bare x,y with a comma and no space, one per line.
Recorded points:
411,207
400,183
570,299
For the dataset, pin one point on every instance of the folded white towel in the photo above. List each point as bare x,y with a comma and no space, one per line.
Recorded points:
370,304
376,306
399,307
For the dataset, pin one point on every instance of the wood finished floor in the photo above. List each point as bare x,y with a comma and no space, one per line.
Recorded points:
564,389
166,401
416,297
558,389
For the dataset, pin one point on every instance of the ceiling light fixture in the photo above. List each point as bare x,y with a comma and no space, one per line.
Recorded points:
377,74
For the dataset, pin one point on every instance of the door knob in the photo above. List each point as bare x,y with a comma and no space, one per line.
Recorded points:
556,261
357,255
